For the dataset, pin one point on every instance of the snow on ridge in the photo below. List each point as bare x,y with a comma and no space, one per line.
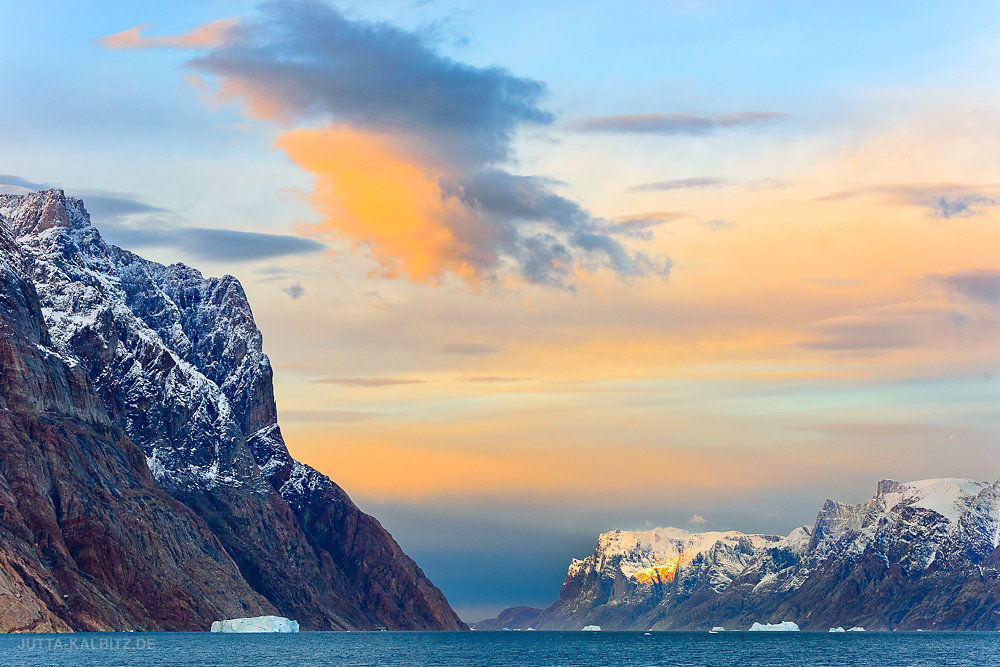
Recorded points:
659,553
949,497
101,293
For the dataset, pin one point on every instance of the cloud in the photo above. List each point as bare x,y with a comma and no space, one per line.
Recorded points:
214,34
638,225
15,185
962,206
295,291
908,430
326,416
405,145
211,244
493,379
977,285
319,64
876,331
693,124
471,349
942,200
104,205
369,382
717,224
861,336
696,182
697,518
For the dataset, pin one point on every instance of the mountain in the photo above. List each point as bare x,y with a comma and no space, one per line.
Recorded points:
922,555
172,364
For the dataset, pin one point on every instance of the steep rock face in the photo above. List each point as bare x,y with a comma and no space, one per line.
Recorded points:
178,363
88,541
917,555
635,579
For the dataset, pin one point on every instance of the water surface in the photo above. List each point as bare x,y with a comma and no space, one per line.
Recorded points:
490,649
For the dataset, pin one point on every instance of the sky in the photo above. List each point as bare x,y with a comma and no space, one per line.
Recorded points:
532,271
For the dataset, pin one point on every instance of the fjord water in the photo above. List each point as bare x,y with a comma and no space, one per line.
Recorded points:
503,648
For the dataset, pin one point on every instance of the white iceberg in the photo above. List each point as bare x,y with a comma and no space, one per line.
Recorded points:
784,626
856,628
256,624
717,628
838,629
591,628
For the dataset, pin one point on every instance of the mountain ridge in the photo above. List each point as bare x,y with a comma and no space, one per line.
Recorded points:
920,554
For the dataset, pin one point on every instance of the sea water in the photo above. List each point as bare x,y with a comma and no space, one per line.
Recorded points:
503,648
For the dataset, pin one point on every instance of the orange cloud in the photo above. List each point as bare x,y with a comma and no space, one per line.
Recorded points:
212,34
372,190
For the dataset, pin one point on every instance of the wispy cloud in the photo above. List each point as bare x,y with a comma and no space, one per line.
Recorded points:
697,519
639,225
493,379
471,349
695,183
295,290
211,244
941,200
109,206
976,285
15,185
370,382
693,124
327,416
865,335
209,35
717,224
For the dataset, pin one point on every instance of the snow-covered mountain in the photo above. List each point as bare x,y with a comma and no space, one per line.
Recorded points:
177,363
917,555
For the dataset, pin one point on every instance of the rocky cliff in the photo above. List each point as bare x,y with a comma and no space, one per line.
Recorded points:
171,364
920,555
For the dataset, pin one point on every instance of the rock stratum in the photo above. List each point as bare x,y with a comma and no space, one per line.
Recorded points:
144,481
919,555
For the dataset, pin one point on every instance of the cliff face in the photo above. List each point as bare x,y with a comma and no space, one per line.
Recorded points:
175,362
88,541
917,555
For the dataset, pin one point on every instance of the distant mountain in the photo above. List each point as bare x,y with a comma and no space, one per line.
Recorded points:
917,555
170,366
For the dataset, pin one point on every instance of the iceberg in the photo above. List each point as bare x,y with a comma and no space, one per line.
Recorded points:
838,629
256,624
857,628
717,628
784,626
591,628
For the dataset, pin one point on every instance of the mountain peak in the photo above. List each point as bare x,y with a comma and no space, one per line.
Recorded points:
42,210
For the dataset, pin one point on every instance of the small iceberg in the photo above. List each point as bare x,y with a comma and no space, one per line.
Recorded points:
857,628
256,624
838,629
784,626
717,628
591,628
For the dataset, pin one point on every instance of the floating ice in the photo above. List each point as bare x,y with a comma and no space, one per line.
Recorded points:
256,624
856,628
591,628
784,626
838,629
